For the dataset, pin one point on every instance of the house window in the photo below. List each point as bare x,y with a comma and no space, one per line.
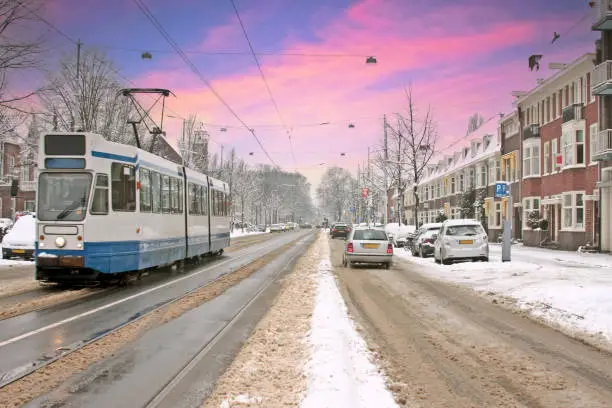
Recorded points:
437,190
483,176
593,136
553,155
461,183
493,210
531,160
25,173
471,180
579,147
573,210
546,163
530,204
29,205
452,185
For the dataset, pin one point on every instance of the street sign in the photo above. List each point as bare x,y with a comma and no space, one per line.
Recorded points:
364,192
501,190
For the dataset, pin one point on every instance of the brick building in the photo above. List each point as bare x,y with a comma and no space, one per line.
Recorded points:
601,86
11,167
558,175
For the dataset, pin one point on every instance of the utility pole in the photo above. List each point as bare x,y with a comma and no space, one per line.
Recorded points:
399,174
386,150
78,64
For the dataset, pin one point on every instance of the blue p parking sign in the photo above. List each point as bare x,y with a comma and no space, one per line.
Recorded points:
501,190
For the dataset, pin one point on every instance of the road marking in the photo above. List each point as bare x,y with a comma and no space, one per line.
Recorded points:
116,302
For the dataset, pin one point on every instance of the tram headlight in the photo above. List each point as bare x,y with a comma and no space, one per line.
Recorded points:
60,242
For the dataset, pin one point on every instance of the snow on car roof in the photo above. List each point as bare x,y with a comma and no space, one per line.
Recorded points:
464,221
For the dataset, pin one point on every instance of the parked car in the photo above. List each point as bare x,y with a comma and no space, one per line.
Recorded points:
19,242
414,236
340,230
5,226
424,244
277,228
368,245
461,240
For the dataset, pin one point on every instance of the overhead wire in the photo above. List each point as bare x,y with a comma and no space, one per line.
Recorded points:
159,27
263,78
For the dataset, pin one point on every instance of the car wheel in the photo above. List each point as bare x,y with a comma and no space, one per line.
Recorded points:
443,259
421,252
485,259
349,264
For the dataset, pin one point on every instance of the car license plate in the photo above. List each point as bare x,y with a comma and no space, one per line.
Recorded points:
370,246
19,251
466,241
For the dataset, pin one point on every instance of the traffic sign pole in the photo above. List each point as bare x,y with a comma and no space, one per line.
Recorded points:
504,190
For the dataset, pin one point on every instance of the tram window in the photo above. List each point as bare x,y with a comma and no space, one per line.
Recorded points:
193,198
165,193
174,195
156,192
180,195
145,190
213,201
99,204
123,178
204,200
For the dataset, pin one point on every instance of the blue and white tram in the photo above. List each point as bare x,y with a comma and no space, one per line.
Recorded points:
107,210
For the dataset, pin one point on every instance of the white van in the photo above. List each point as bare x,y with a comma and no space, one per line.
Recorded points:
19,242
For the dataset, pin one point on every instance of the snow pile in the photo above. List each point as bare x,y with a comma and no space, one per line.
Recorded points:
238,233
571,290
340,372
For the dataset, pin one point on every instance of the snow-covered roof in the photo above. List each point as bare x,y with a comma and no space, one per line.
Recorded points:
484,143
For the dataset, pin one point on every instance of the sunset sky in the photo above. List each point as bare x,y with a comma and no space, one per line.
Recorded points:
461,57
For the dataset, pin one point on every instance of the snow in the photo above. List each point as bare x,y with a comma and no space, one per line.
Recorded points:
566,289
399,231
340,372
23,233
238,233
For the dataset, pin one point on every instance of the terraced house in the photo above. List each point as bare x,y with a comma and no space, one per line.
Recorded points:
461,183
558,135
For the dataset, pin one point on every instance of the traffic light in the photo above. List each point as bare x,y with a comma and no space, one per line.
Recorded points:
14,187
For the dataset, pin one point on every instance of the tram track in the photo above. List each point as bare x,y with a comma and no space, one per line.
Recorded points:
48,295
40,377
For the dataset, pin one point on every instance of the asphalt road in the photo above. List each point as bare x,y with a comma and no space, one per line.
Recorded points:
444,346
33,337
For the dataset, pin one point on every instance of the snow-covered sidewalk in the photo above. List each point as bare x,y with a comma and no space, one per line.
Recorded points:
568,290
340,372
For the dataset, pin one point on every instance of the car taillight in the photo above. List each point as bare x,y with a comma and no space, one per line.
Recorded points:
349,247
348,230
333,230
389,249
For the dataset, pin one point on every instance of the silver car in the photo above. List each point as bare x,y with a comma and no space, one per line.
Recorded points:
368,245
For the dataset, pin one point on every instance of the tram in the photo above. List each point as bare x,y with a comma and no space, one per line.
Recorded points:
108,211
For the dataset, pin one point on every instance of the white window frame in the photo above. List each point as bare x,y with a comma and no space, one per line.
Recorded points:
593,139
25,205
569,147
570,203
482,169
554,151
531,156
494,211
531,204
546,163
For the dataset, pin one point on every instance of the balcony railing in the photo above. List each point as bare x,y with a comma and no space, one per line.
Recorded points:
603,16
572,112
601,79
603,150
531,131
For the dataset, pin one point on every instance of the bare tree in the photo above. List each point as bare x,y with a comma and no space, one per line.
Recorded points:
16,52
90,100
193,145
412,146
336,191
474,122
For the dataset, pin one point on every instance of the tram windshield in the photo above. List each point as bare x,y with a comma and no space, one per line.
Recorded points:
63,196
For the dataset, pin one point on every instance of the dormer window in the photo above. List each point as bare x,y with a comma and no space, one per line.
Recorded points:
465,152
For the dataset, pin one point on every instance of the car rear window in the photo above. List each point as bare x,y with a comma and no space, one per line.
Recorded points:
464,230
340,226
430,232
370,235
